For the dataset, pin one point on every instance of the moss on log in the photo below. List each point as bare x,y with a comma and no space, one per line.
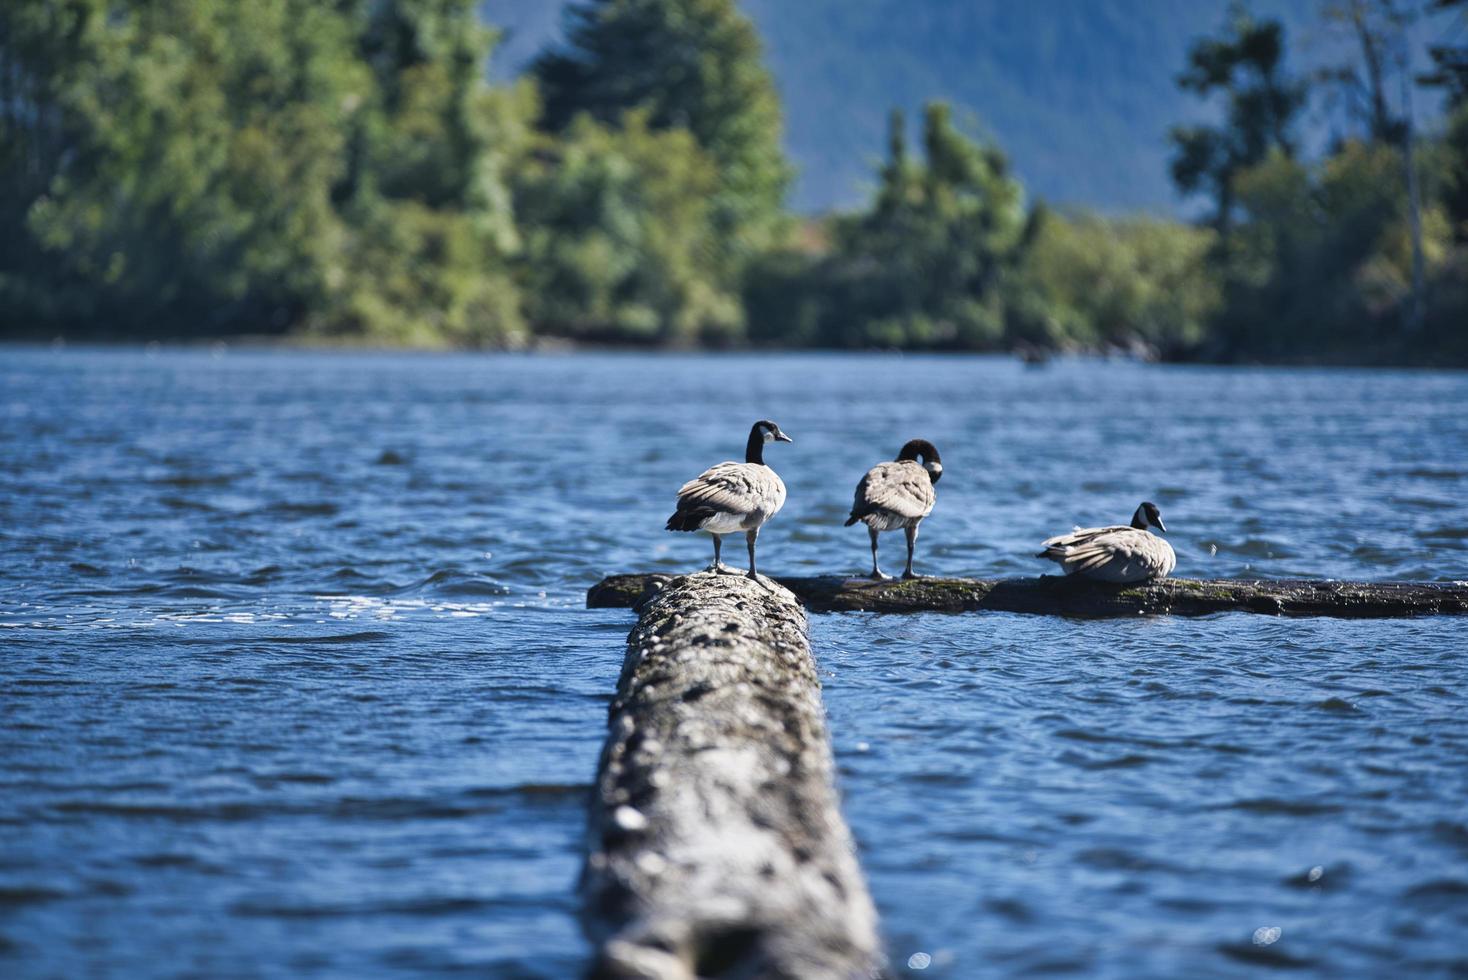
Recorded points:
1061,596
716,845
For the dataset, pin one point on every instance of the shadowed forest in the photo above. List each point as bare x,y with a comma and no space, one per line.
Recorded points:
352,173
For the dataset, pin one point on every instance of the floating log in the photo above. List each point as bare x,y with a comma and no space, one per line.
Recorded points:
716,846
1057,595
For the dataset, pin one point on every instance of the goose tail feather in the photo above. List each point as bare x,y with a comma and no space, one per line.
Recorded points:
689,520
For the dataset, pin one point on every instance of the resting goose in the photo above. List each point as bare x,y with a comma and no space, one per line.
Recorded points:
1120,553
898,494
732,496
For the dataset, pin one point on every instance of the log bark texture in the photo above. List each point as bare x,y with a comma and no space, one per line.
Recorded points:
1056,595
716,845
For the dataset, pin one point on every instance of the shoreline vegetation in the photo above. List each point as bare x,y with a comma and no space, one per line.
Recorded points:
348,175
1389,359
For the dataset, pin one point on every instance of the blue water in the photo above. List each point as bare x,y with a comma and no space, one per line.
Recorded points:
296,678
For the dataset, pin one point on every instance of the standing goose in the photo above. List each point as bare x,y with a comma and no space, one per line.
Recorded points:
733,496
898,494
1120,553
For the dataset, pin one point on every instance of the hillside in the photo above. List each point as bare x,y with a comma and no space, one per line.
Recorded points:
1079,92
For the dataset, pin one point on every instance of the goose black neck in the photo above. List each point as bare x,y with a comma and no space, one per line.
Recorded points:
919,447
754,450
1139,521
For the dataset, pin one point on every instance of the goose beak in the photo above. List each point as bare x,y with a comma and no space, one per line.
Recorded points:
1161,526
782,437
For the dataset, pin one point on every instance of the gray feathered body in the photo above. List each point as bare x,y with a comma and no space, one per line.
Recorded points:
893,495
1118,553
729,497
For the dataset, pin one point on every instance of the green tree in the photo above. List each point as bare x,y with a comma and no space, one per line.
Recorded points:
1455,172
45,51
1450,61
920,268
1091,281
431,236
1375,28
939,237
620,244
176,168
1450,73
178,124
686,64
1323,263
1244,65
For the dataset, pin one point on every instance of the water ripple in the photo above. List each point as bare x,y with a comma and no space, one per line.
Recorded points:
296,671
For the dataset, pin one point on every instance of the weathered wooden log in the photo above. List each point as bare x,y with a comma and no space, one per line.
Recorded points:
716,846
1057,595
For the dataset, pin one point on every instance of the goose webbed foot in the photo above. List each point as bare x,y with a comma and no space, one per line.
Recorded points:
719,568
877,575
909,575
761,580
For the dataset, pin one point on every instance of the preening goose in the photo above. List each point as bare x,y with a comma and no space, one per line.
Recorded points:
898,494
1120,553
732,496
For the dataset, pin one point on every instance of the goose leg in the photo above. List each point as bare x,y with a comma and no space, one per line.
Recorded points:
876,572
718,543
750,537
911,545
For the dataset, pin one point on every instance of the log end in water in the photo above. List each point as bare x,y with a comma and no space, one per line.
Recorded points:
1056,595
716,844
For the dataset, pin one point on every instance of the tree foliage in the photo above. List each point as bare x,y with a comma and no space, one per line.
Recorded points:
619,242
695,65
1245,65
949,257
921,267
220,167
1318,256
155,142
1374,29
1323,261
345,171
1136,283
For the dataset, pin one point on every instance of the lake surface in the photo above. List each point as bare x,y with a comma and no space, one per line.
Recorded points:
296,678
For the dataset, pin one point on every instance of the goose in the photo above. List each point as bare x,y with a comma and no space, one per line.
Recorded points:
733,496
1119,553
898,494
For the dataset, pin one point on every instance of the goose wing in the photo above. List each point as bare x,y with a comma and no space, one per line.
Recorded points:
903,489
1112,554
1078,537
734,488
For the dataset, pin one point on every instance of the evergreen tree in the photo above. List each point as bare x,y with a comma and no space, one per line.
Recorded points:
1246,66
176,168
153,193
690,64
1450,72
619,245
1375,28
920,268
1450,61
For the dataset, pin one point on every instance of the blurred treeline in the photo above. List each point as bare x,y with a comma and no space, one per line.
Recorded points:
345,171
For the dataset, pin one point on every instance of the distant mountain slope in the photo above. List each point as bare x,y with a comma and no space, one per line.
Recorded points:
1079,92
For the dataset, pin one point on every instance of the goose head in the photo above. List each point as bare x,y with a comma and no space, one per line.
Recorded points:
760,433
769,432
1148,515
922,448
